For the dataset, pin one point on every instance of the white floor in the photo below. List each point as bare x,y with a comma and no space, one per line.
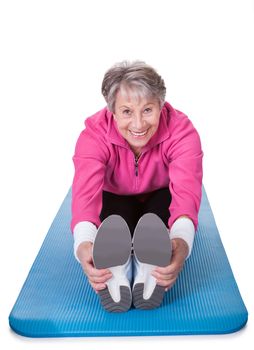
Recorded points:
53,57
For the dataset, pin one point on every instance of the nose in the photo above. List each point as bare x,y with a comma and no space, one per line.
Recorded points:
137,122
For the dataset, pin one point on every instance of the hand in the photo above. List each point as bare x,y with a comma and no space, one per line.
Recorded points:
96,277
167,276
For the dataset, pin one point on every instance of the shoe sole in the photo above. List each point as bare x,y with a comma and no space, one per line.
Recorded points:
152,246
112,247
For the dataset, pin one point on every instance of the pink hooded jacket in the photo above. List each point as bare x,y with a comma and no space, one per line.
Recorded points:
103,160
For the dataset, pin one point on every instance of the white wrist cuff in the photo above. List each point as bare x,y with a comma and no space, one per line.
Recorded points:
84,231
185,229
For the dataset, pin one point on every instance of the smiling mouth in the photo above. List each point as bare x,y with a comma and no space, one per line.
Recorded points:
138,134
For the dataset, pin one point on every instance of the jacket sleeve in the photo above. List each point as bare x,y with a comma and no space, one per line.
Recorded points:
89,163
185,172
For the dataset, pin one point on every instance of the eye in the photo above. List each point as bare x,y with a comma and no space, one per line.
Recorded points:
148,110
127,112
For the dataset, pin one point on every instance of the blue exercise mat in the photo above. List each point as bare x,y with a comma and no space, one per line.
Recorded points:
57,300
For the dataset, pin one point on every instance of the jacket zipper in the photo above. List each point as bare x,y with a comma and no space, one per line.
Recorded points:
136,170
136,165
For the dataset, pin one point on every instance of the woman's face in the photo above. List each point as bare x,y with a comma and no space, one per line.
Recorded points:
137,119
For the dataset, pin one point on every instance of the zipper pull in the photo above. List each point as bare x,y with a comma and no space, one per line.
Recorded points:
136,166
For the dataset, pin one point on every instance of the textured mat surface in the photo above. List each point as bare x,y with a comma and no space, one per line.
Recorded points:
57,301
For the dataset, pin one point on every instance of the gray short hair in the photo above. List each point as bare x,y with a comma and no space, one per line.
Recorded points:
137,78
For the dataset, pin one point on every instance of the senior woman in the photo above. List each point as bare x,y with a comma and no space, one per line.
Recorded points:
137,155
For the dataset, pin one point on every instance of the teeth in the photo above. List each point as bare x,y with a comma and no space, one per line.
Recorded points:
139,133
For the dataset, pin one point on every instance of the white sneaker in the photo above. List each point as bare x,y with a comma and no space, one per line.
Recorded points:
112,250
152,247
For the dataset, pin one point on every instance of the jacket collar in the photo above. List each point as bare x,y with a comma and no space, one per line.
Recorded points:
161,134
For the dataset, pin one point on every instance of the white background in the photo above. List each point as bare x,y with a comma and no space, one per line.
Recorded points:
52,60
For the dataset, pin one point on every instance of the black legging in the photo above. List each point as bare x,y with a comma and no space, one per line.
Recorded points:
131,208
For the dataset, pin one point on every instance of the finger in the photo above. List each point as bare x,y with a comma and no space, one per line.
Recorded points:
166,284
165,276
174,267
174,245
102,279
100,273
92,271
98,286
96,279
168,270
165,279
